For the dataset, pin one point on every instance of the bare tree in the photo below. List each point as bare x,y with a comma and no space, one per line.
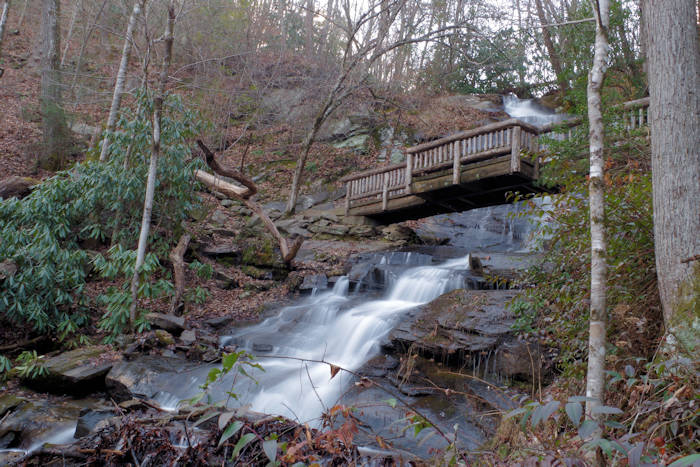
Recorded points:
153,167
674,80
554,58
69,35
53,119
595,376
359,55
3,21
121,79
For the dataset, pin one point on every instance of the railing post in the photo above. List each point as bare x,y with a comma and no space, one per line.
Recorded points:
385,191
515,150
348,192
409,170
455,165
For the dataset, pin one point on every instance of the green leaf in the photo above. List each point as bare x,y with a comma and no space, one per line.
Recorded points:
392,402
686,461
230,431
270,449
205,417
604,409
574,411
587,428
245,439
224,418
515,412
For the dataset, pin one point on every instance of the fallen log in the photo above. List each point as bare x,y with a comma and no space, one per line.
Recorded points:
288,250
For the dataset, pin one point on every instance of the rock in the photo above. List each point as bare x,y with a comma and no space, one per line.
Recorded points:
400,233
225,232
457,324
227,203
357,144
7,269
325,227
219,217
73,372
89,419
520,359
314,281
188,337
145,376
362,231
164,337
219,321
220,249
171,323
379,366
18,187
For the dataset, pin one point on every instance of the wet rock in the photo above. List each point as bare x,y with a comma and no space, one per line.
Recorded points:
325,227
314,281
171,323
457,325
520,359
78,371
145,376
89,419
164,337
379,366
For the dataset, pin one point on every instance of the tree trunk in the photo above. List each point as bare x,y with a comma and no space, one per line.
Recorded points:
595,376
53,119
309,27
674,82
178,261
71,27
3,21
153,167
121,79
551,49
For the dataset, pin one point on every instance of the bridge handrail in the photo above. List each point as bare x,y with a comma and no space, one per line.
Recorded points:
495,139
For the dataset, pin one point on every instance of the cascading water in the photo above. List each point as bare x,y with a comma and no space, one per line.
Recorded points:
330,326
529,111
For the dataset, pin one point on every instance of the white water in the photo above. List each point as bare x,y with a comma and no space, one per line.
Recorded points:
530,111
329,326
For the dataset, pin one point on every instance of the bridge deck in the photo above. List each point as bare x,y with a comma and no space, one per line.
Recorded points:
464,171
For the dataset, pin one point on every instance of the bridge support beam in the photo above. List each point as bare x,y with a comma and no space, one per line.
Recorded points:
515,150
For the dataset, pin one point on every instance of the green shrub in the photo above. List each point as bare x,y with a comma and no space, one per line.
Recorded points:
43,233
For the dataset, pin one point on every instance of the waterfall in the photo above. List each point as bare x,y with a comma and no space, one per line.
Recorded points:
333,326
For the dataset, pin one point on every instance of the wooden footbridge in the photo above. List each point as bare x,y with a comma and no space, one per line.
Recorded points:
463,171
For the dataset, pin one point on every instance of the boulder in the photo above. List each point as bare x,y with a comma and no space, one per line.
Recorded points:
314,281
164,337
219,321
219,218
188,337
171,323
78,371
400,233
362,231
16,187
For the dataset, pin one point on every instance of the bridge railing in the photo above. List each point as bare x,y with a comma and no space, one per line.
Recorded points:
496,139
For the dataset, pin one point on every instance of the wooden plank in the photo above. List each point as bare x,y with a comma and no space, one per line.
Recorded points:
455,167
477,131
385,191
515,150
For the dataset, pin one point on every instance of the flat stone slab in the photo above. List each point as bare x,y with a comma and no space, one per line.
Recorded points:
171,323
78,371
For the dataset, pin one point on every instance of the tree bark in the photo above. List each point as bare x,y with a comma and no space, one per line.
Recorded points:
178,261
674,89
243,194
3,22
53,119
595,376
551,49
153,167
71,27
121,79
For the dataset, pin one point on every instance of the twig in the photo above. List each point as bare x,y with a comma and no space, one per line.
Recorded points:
21,344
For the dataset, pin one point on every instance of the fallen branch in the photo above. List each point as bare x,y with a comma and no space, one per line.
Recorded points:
22,344
176,257
289,251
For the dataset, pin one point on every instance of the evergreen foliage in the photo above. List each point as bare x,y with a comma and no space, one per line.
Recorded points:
46,234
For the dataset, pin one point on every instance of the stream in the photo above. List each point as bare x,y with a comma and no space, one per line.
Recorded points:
347,323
